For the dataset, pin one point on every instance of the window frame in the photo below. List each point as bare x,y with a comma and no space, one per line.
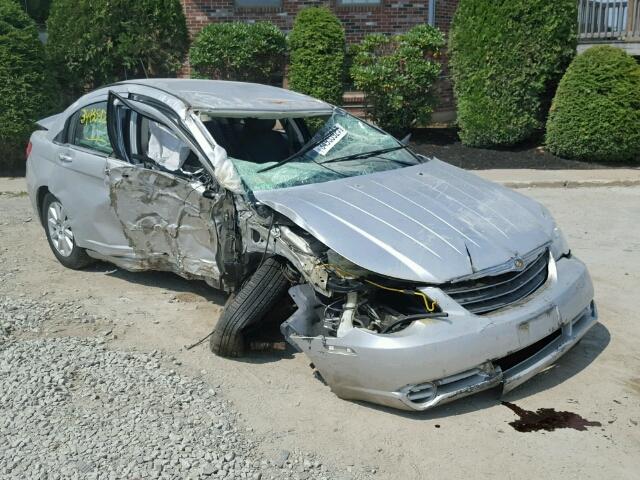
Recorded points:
133,121
358,3
257,5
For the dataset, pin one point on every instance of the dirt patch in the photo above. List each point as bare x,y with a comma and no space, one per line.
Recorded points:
188,297
444,144
547,419
634,384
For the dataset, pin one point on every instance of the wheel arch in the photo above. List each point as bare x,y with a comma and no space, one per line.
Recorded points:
40,194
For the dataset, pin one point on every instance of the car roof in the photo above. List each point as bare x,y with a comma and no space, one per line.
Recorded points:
227,96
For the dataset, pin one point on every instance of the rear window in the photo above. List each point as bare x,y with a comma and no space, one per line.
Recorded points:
88,128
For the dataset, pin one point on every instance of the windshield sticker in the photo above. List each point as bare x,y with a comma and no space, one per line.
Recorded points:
336,134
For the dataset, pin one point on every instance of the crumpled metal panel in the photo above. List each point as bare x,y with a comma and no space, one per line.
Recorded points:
365,365
430,223
167,222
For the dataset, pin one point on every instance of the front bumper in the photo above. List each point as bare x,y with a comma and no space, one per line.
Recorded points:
438,360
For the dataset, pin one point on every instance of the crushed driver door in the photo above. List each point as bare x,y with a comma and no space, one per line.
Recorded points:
168,217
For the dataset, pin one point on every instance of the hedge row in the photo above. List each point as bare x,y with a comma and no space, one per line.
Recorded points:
238,51
506,58
96,42
27,92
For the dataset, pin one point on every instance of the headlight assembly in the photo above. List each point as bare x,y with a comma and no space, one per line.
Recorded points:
559,244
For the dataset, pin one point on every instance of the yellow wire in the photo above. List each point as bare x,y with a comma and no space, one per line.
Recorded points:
424,296
430,308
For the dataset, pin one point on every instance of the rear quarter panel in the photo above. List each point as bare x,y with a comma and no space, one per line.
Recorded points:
40,166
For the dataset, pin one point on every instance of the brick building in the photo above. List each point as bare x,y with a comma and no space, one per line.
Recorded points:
359,18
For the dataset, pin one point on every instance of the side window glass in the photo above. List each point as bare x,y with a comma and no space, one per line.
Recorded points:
89,128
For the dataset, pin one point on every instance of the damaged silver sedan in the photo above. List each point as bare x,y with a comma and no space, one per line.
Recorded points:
414,282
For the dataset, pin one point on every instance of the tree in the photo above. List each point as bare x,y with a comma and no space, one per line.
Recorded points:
596,112
507,57
251,52
317,48
27,92
37,9
96,42
397,75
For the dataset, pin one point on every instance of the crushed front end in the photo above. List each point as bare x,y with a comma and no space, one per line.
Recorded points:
414,347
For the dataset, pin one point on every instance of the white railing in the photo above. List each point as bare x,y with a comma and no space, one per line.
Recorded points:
609,20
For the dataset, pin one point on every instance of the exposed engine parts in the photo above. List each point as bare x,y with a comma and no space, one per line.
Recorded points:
351,296
372,310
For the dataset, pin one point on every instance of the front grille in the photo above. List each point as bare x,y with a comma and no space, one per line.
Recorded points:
516,358
487,294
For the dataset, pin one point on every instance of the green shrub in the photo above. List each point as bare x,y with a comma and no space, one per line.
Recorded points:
37,9
596,112
95,42
317,48
397,75
26,91
252,52
507,57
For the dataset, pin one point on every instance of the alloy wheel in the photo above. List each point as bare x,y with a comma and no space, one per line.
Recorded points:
59,229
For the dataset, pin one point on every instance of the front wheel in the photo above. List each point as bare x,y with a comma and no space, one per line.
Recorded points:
254,300
60,236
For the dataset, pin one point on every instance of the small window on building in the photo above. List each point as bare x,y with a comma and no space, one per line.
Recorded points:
359,2
258,3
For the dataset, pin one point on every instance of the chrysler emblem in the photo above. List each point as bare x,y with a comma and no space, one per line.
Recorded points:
518,263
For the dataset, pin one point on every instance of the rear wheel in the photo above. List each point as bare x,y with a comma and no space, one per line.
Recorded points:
60,236
248,307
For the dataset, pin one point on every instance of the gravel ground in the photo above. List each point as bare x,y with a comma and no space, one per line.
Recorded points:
55,322
72,408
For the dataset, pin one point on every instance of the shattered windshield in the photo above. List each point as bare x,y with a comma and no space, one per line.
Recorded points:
286,152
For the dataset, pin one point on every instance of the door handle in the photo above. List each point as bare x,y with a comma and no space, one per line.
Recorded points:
64,157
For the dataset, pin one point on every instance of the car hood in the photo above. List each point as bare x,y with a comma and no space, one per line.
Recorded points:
429,223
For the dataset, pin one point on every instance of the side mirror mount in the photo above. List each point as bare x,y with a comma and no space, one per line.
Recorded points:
406,139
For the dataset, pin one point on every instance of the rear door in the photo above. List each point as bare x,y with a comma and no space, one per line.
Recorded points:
162,196
81,154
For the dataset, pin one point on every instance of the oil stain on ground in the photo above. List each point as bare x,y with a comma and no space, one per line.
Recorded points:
547,419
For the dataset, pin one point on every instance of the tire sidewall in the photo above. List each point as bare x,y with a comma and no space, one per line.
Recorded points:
78,257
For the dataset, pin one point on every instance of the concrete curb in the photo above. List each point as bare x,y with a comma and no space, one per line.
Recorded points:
572,184
527,178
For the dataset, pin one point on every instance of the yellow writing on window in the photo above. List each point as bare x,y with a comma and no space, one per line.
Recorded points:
93,115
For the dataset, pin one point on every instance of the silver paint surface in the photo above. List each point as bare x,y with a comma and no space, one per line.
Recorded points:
430,223
166,221
237,98
364,365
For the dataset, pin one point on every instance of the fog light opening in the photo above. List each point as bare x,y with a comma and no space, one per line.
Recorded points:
421,393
